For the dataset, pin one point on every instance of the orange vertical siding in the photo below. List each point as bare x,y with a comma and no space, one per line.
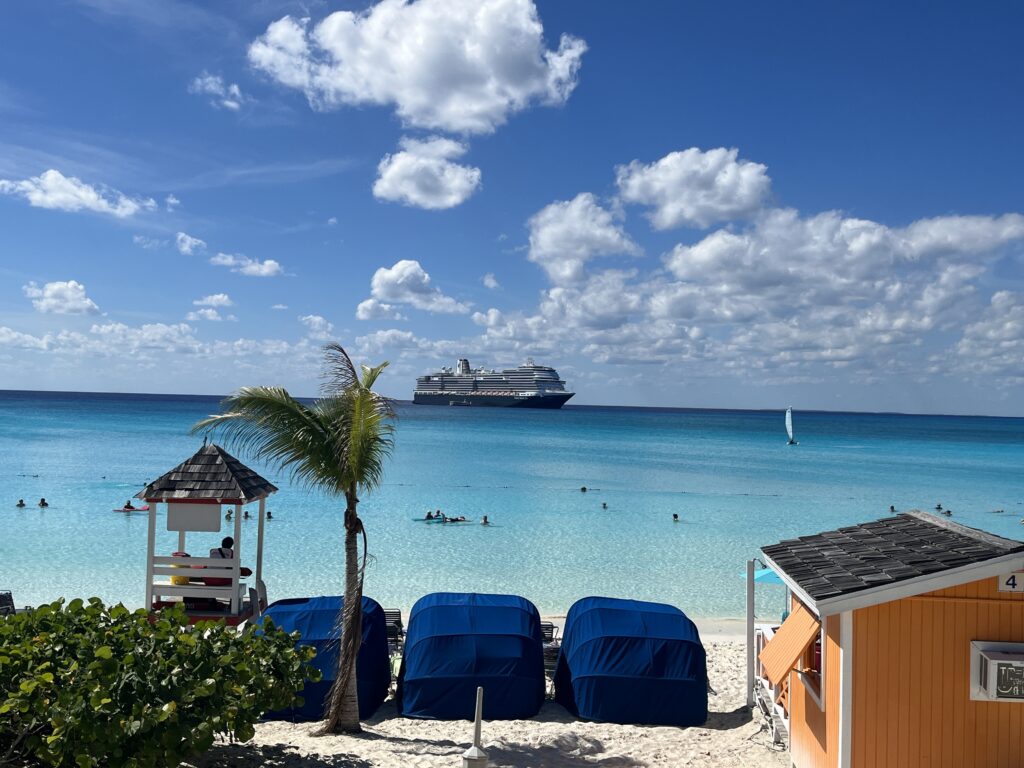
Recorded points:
911,697
814,737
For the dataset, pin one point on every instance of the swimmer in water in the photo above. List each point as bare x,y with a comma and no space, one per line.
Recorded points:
20,504
485,521
43,503
583,489
892,509
430,515
128,506
227,515
604,505
270,515
245,514
675,517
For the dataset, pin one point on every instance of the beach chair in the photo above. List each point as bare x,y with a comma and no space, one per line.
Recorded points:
549,632
396,631
6,603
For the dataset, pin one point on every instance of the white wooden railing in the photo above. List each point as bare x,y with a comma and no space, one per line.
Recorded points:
763,633
187,567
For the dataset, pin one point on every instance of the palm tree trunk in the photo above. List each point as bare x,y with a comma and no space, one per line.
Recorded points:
343,706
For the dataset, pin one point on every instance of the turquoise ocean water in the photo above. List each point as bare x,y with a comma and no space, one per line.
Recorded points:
729,475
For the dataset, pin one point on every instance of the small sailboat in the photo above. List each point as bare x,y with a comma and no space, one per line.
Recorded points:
789,427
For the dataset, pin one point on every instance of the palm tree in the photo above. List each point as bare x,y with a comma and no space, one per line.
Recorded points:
338,445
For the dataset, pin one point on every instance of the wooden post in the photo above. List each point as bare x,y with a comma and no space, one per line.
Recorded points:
750,633
236,564
181,541
150,553
259,543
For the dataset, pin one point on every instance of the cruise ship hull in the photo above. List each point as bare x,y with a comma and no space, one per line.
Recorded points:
552,400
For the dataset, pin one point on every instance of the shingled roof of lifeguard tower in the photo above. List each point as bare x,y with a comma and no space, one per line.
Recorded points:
212,474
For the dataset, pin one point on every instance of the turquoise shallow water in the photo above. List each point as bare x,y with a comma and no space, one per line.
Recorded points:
728,474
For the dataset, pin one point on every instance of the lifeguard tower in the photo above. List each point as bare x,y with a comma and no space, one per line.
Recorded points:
194,492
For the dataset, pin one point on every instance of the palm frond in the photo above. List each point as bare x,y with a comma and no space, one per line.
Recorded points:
270,425
339,372
339,443
360,423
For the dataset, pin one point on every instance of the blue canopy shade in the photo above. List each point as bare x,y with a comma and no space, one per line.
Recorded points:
316,619
766,576
456,642
626,661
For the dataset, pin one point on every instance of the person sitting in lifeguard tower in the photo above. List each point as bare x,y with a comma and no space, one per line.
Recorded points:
225,550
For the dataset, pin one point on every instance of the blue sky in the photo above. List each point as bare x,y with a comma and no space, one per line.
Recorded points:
686,204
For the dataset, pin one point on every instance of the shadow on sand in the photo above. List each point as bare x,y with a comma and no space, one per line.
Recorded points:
270,756
565,751
726,721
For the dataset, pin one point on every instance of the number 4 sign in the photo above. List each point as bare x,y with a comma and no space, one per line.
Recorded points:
1012,582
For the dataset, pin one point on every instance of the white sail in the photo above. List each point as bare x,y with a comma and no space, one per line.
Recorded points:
789,423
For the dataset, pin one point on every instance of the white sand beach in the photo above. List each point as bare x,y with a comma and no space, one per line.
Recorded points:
731,738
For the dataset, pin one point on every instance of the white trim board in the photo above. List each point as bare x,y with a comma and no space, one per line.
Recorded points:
886,593
846,689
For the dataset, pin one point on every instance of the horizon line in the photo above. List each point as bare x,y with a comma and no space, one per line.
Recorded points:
569,406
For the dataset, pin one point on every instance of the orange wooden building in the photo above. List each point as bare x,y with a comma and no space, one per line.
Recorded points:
904,647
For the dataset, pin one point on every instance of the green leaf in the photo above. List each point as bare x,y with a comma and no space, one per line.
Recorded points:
104,652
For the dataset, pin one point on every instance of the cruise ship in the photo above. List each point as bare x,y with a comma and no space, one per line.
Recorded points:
528,386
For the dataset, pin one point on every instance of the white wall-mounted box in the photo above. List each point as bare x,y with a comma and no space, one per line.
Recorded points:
997,671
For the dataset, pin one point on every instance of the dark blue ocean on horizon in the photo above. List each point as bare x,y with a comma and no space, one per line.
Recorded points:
729,475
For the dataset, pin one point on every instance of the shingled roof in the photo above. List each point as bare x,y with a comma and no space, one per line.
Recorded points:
212,474
884,552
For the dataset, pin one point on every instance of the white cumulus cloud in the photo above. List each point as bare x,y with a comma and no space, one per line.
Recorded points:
565,235
208,313
317,327
423,175
407,283
994,344
371,309
461,66
221,93
171,202
695,188
490,319
244,265
214,300
61,298
490,281
188,245
52,189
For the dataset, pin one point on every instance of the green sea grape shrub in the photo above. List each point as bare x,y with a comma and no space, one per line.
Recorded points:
85,685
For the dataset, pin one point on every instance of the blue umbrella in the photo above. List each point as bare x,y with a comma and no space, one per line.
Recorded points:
766,576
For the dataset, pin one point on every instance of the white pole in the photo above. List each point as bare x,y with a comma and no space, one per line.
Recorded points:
475,757
150,553
236,563
259,541
750,633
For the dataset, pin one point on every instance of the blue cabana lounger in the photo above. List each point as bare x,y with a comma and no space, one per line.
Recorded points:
316,619
456,642
626,661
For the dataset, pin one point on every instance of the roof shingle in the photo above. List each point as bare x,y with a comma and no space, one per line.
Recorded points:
212,474
883,552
